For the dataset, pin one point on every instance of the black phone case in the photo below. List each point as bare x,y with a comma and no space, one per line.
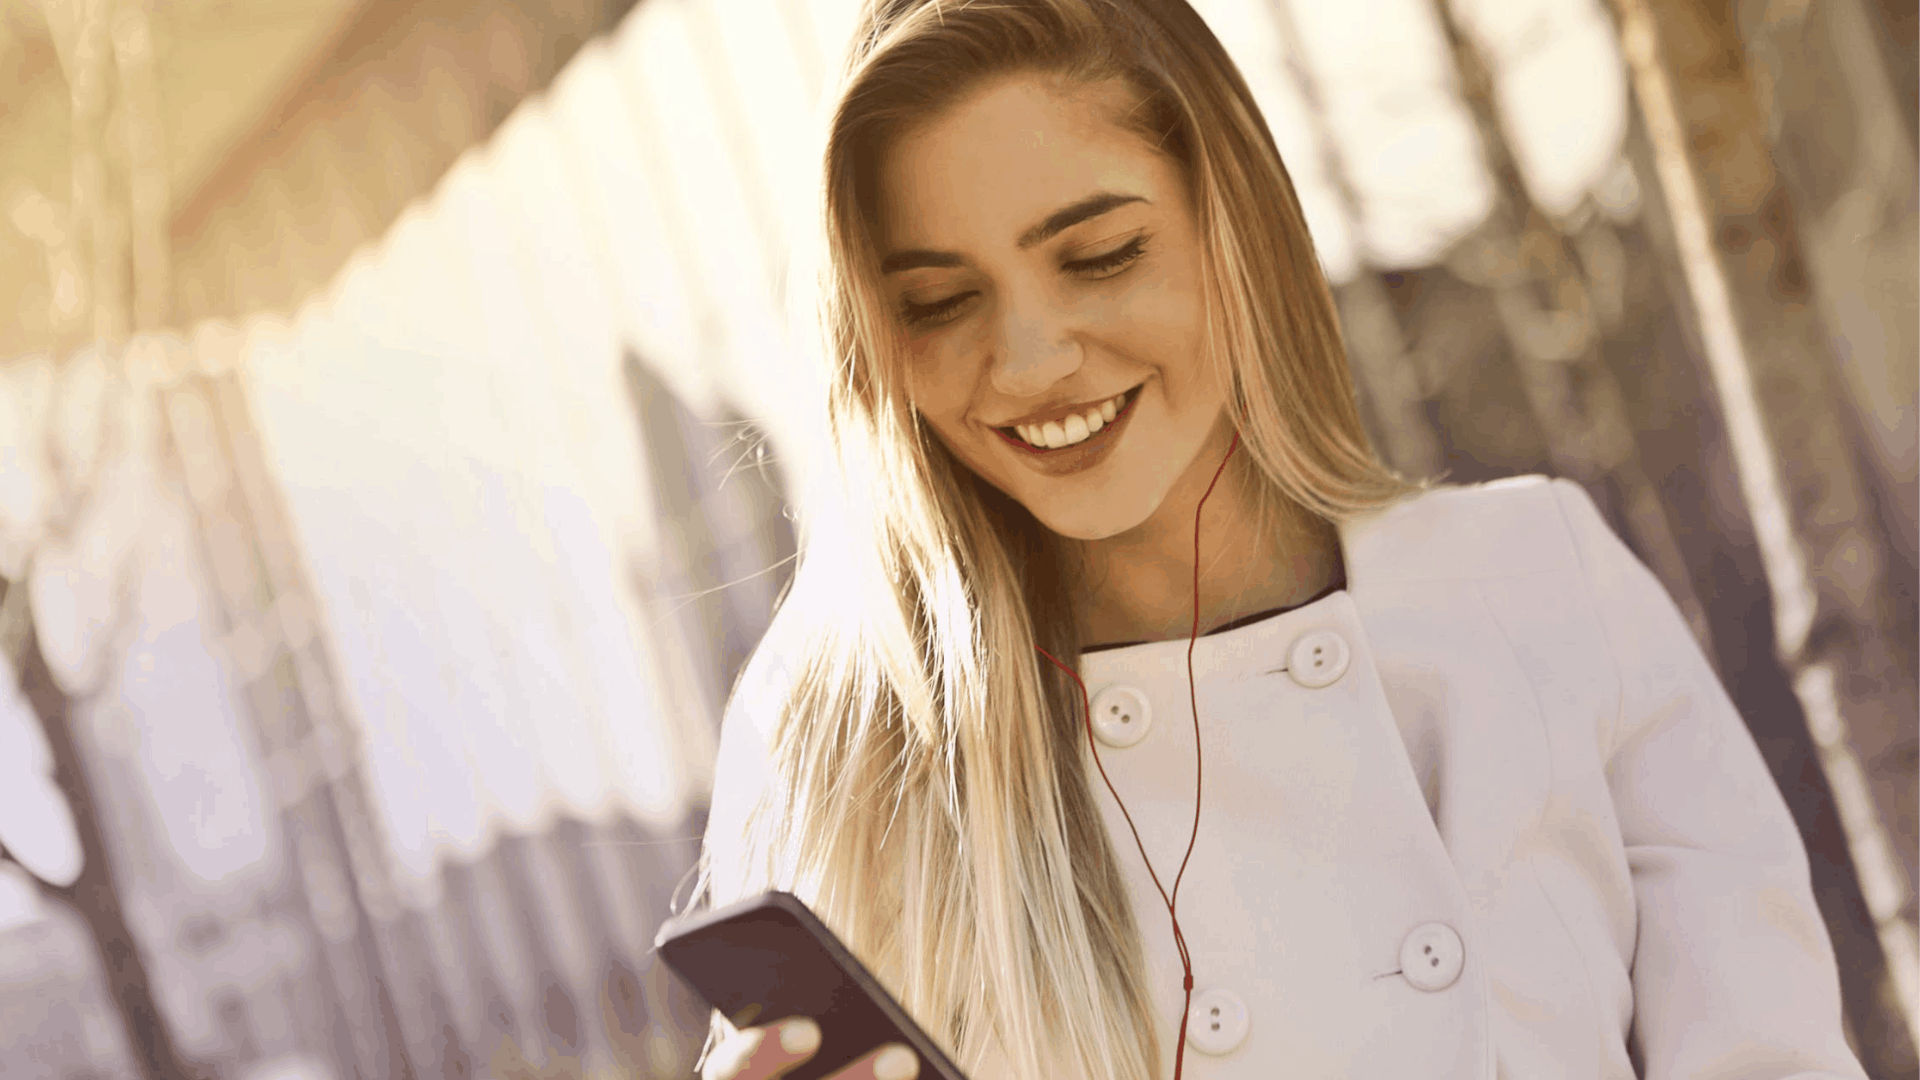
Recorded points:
768,958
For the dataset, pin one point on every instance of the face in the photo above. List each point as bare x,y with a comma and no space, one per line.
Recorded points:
1044,267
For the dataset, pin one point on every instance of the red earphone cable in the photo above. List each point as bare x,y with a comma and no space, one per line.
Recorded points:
1172,900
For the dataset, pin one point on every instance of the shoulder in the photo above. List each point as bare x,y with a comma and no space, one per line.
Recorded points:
750,722
743,782
1507,528
743,765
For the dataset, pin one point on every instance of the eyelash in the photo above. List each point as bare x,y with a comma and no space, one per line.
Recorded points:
1099,268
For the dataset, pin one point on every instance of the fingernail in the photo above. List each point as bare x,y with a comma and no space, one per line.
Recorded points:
896,1063
800,1036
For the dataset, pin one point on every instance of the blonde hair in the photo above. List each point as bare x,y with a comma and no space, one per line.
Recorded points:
928,793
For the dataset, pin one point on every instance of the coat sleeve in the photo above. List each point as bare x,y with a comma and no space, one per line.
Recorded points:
1733,972
742,771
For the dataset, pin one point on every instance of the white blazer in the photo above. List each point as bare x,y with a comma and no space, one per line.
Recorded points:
1486,813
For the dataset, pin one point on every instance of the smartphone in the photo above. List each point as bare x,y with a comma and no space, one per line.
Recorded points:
768,958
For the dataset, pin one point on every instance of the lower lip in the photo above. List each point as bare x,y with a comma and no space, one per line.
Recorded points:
1081,456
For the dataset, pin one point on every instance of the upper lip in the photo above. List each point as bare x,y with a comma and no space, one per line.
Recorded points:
1060,412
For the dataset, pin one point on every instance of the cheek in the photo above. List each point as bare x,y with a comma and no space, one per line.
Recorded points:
943,381
1162,327
1180,318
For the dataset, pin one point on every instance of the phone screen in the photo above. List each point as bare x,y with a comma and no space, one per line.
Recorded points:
766,959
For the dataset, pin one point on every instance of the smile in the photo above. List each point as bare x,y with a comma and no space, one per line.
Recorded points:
1075,431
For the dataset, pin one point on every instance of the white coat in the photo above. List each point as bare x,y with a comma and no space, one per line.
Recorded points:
1486,813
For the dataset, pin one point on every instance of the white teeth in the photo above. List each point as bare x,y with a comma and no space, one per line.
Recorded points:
1074,429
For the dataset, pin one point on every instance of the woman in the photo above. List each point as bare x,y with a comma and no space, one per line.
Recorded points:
1445,790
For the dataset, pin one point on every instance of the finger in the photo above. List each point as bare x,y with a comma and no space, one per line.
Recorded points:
890,1062
729,1056
776,1049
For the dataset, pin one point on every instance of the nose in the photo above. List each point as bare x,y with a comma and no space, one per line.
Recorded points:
1036,348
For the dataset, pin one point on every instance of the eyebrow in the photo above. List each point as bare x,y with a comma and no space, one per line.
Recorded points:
1057,222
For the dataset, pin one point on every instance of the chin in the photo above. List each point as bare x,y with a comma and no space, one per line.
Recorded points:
1096,519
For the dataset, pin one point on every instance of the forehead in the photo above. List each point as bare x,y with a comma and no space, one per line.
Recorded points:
994,163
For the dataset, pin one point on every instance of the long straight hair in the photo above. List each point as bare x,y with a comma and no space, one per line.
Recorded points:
927,789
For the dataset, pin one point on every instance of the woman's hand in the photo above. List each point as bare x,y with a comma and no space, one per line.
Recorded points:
763,1053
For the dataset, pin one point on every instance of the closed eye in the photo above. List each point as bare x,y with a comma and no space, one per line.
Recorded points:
917,315
1111,263
1098,267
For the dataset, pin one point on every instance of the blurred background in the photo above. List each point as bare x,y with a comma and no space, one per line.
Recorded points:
394,399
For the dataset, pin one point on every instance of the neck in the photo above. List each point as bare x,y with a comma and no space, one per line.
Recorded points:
1138,585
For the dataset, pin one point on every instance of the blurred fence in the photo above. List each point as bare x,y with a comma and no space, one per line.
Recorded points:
370,653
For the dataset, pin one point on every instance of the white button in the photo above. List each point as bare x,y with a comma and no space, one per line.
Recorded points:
1121,716
1318,659
1432,956
1218,1022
